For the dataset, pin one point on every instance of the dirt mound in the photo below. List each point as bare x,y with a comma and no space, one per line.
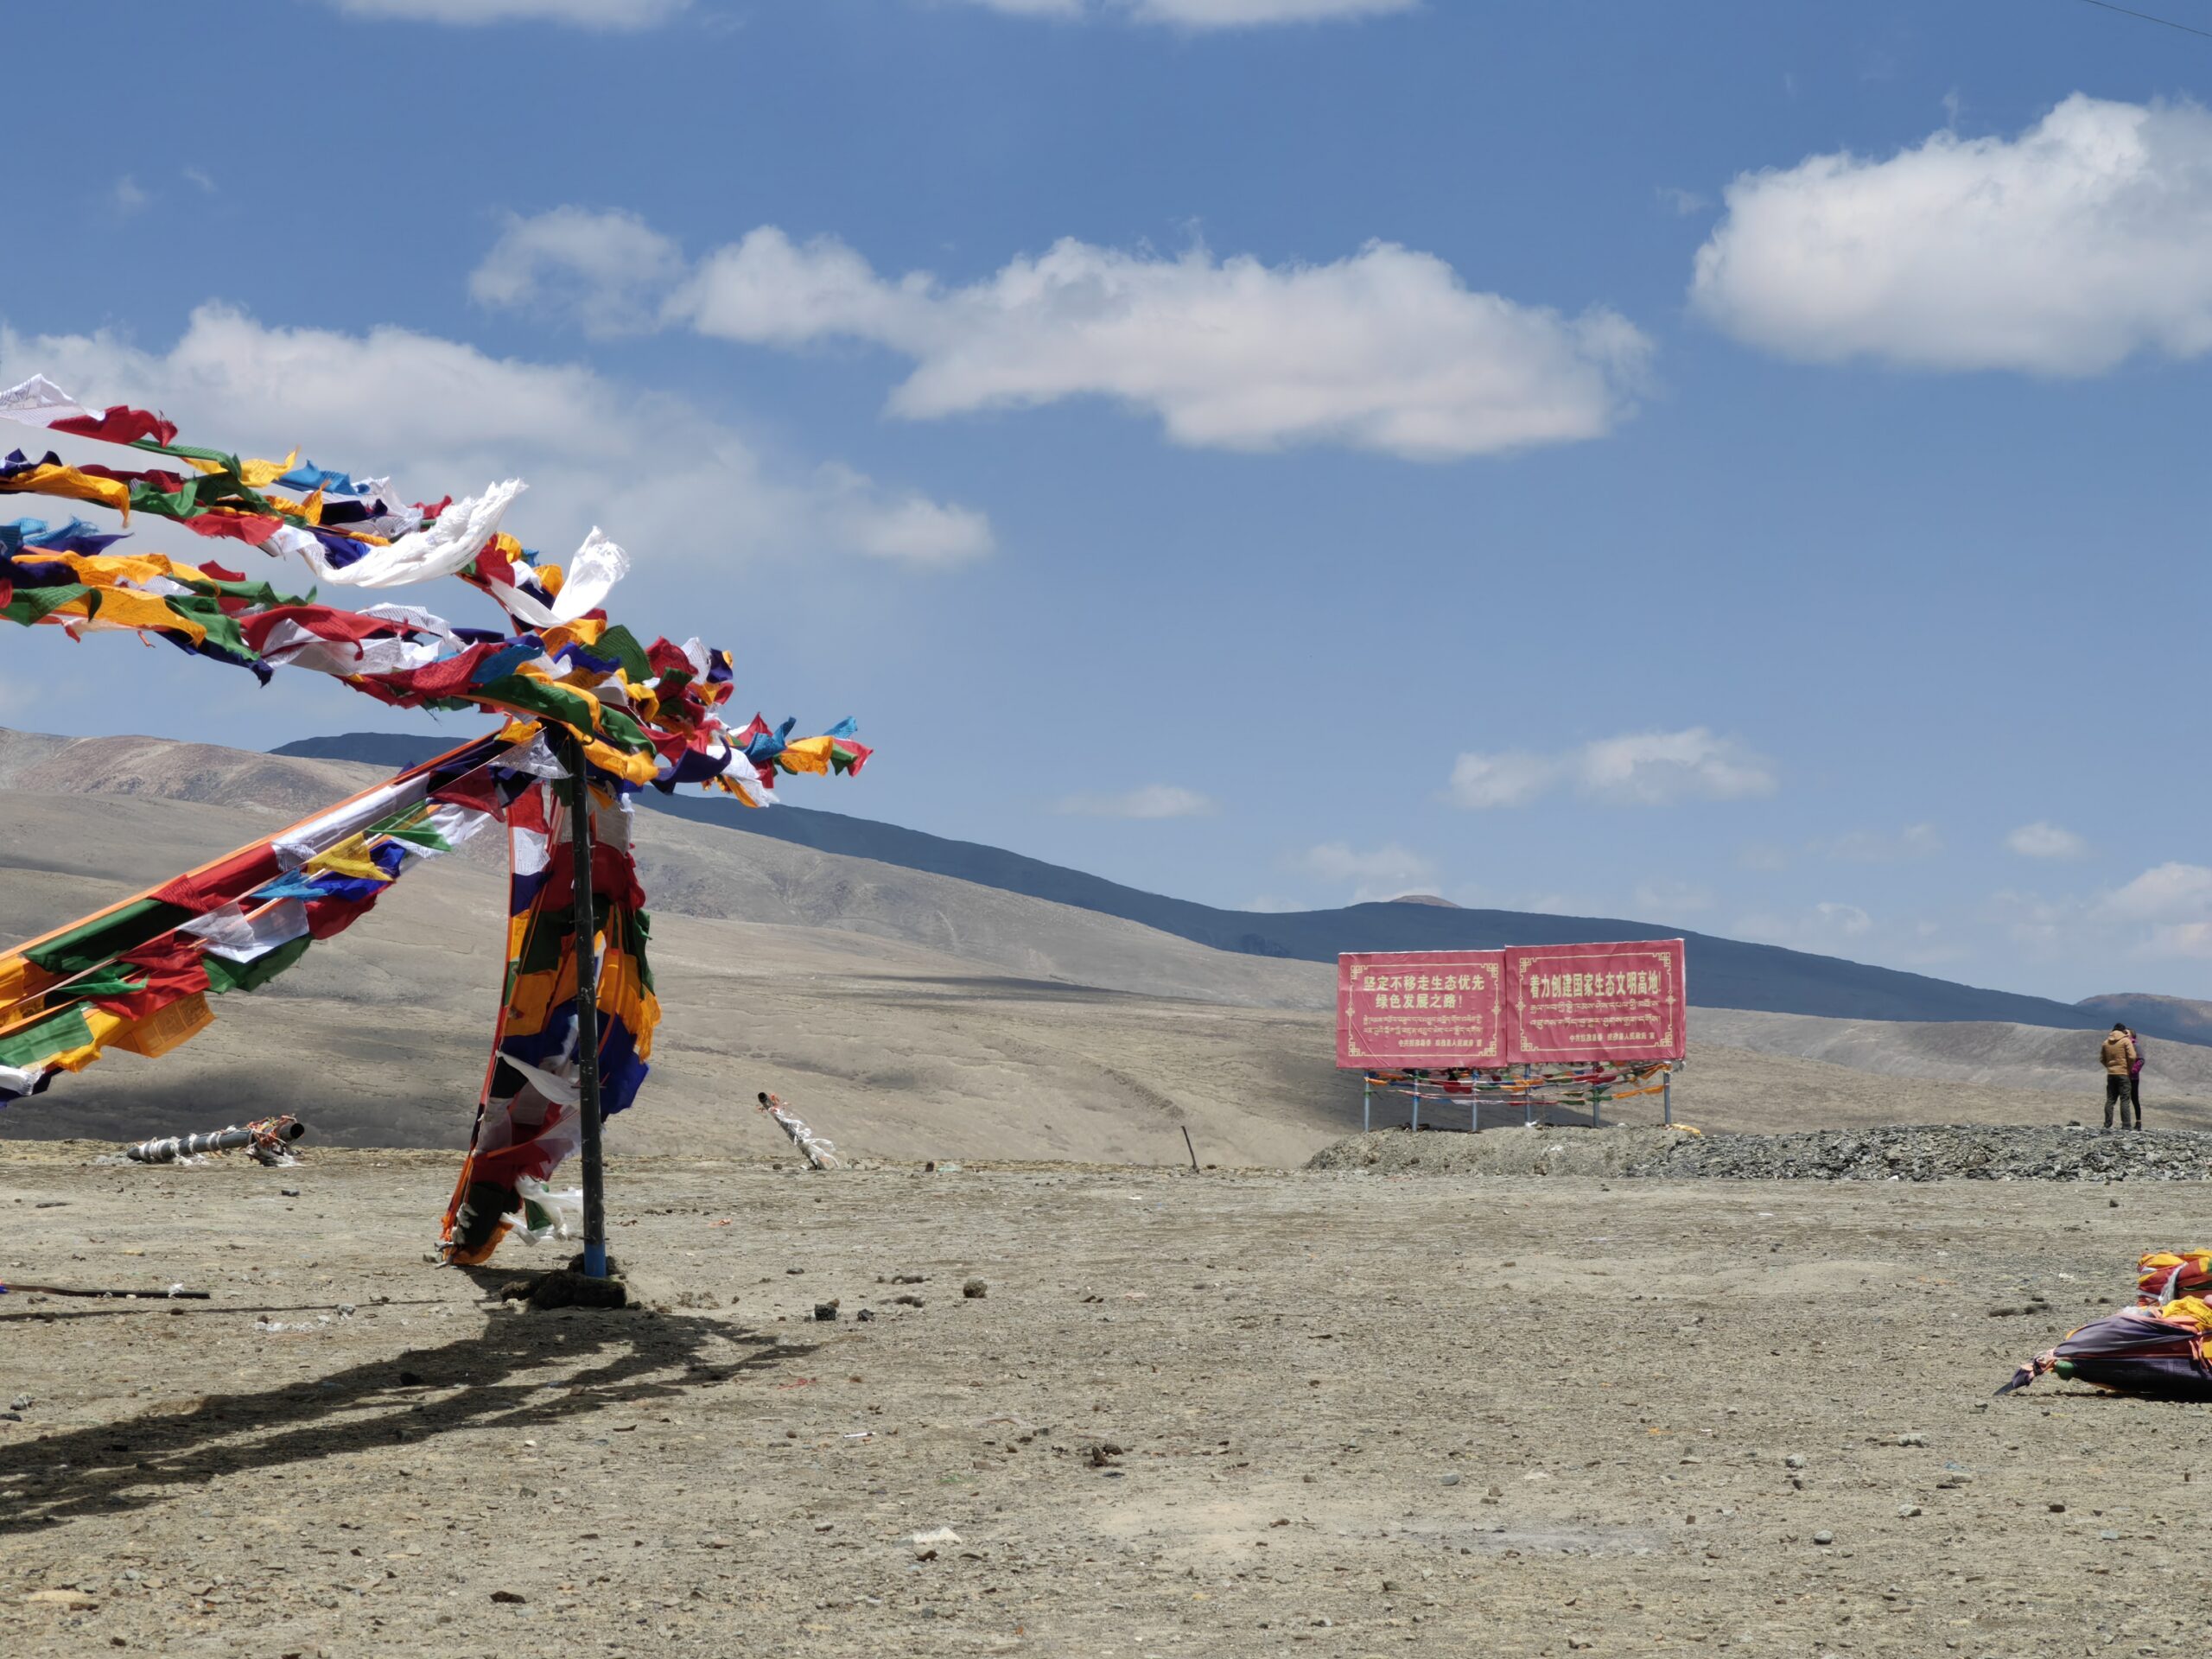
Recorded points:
1896,1152
1625,1151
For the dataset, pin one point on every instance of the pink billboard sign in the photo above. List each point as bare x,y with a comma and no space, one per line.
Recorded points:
1575,1002
1420,1009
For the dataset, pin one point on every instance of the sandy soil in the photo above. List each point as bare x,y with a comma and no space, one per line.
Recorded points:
1356,1415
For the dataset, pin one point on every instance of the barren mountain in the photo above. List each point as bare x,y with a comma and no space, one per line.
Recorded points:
908,1014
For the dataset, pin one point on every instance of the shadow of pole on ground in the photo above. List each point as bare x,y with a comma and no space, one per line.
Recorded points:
498,1379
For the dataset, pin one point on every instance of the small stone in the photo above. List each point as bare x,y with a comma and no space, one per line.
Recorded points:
1451,1480
794,1270
508,1596
74,1600
2058,1508
865,1315
2109,1537
21,1402
825,1311
1795,1460
907,1301
1906,1511
975,1290
2112,1203
1912,1439
288,1191
1824,1538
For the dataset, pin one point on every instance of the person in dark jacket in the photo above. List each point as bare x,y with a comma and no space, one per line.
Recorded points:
2135,1076
2118,1055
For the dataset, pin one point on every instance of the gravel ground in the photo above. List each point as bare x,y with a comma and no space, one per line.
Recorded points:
1898,1152
1223,1414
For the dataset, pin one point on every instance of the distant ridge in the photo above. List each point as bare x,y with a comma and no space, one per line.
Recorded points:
1723,973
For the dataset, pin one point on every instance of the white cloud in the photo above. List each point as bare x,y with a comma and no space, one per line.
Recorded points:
1386,350
1662,900
1384,872
607,15
2043,840
1146,801
1204,13
200,176
600,268
1684,202
2063,251
2163,914
440,415
1514,777
1828,926
1636,769
129,196
2169,892
1915,841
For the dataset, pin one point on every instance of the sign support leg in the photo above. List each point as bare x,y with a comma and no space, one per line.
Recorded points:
1667,1096
594,1168
1366,1103
1416,1101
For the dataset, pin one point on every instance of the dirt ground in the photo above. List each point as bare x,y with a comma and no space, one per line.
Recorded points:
1354,1414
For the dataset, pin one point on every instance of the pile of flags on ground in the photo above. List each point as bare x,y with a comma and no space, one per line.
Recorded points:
564,681
2155,1348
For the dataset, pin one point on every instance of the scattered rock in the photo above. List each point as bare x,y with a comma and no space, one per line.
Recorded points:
1451,1480
1100,1454
74,1600
1912,1439
823,1310
1795,1460
21,1402
909,1300
509,1596
1824,1538
975,1290
1906,1511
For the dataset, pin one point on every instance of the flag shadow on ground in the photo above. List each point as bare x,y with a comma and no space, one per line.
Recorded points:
501,1378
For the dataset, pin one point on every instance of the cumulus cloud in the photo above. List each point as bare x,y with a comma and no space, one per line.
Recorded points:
1386,350
1915,841
2064,251
675,485
2042,840
1146,801
605,14
601,269
1637,769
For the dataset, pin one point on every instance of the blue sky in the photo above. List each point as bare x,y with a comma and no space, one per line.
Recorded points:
1727,465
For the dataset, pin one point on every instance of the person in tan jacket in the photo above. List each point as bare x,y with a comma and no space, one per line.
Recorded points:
2118,1057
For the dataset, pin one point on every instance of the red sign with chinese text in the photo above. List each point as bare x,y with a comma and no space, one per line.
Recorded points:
1420,1009
1596,1002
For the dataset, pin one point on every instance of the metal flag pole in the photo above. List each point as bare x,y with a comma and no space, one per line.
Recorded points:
586,1013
